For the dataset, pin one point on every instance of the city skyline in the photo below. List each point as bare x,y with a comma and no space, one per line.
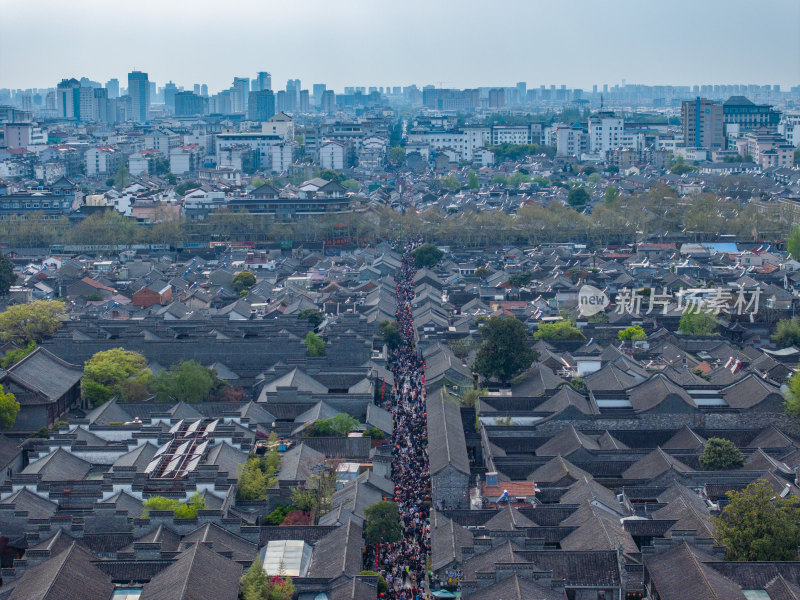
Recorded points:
573,46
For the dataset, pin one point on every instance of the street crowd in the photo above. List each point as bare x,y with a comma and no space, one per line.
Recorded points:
403,563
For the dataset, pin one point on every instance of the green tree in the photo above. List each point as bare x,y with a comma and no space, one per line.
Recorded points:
107,373
9,407
520,279
560,330
305,499
578,197
382,523
32,322
462,347
792,403
252,484
312,315
338,426
787,333
427,255
330,175
374,433
793,243
758,525
182,510
720,455
391,334
315,344
504,351
188,185
7,277
481,272
186,381
472,181
243,280
450,182
697,323
14,356
611,195
257,585
397,154
122,178
352,185
634,333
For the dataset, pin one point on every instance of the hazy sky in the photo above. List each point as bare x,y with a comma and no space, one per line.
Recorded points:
463,43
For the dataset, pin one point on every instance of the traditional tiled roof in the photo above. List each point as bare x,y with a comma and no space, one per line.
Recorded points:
68,576
199,573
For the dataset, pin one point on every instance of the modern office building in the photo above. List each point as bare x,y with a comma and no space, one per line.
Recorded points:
261,105
139,92
702,124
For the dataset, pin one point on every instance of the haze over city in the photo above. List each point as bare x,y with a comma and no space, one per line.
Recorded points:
464,43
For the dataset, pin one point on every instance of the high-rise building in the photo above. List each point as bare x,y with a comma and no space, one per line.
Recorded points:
204,90
317,90
261,105
196,89
170,91
303,105
263,81
188,104
280,101
139,92
68,99
112,85
292,94
241,88
702,124
328,102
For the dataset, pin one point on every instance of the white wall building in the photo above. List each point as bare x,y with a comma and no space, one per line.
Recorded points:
605,134
163,141
332,156
282,156
185,159
569,141
102,161
281,125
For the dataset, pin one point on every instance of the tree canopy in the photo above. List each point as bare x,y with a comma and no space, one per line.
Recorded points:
787,333
257,585
560,330
504,352
634,333
32,322
115,372
697,323
243,280
9,407
720,455
793,244
7,276
758,525
578,197
186,381
382,523
427,255
337,426
391,334
315,344
182,510
793,395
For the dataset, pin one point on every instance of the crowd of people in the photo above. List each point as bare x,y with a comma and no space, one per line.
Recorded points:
403,563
